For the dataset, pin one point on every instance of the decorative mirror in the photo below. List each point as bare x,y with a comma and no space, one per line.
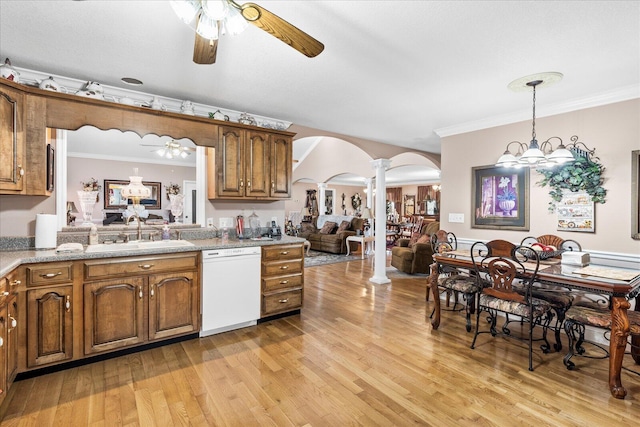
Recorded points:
113,198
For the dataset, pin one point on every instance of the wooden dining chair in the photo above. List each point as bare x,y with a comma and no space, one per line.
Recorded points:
503,264
453,281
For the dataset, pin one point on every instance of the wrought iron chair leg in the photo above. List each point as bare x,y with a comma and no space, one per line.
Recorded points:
569,328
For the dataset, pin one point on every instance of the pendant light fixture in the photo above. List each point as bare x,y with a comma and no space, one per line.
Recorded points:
534,154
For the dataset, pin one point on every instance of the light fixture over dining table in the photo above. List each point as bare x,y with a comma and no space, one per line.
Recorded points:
534,154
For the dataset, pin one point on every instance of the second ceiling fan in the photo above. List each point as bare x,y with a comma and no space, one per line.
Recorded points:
215,17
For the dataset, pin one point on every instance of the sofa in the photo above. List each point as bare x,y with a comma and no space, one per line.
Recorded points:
328,233
415,255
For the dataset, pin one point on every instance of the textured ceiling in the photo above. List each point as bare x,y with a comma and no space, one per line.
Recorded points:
392,71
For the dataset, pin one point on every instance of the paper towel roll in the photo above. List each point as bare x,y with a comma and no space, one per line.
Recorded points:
46,231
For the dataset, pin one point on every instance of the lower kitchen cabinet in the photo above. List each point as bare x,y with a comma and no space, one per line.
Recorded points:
50,320
282,279
173,304
113,314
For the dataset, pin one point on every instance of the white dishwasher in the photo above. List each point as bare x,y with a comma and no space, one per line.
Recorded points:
230,289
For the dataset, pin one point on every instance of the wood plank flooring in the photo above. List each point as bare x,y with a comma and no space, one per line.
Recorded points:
358,355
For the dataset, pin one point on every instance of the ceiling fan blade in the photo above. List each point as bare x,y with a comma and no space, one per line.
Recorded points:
204,50
281,29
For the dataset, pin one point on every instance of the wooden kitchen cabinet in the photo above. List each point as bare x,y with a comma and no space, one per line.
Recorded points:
49,294
250,164
114,314
12,140
8,343
139,299
282,279
173,304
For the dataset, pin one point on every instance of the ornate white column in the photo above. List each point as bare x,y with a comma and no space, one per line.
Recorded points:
380,262
322,186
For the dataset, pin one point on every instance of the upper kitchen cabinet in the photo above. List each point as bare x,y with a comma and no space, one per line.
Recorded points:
250,164
12,140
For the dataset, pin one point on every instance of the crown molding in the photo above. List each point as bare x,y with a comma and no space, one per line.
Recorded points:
610,97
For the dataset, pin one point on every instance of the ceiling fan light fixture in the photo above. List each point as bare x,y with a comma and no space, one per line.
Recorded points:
234,23
216,9
207,27
161,152
186,9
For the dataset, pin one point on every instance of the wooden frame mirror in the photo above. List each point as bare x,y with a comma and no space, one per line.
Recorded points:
114,200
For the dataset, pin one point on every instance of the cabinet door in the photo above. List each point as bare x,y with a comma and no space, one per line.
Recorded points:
3,352
173,304
114,314
257,164
230,162
281,167
12,141
49,325
12,338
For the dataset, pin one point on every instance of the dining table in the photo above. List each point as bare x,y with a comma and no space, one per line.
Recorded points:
620,285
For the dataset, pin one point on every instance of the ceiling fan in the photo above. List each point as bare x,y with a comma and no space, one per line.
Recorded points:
215,17
171,149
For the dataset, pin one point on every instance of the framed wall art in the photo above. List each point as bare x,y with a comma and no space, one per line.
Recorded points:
576,212
500,198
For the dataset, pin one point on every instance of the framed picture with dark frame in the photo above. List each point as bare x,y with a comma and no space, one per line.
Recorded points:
50,167
113,197
500,198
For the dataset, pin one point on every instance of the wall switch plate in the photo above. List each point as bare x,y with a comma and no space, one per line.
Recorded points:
210,222
456,217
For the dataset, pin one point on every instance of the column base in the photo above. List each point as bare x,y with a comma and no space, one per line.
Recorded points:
380,280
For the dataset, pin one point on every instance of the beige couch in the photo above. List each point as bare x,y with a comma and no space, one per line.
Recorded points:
334,242
418,257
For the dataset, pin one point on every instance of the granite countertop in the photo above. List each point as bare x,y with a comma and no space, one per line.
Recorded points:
12,259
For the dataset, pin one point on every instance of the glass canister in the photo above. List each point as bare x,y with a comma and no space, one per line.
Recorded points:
254,224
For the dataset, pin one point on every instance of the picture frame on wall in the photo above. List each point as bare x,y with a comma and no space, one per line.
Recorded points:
576,212
500,198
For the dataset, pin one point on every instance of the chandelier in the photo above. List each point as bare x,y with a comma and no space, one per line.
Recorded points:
173,149
537,155
213,17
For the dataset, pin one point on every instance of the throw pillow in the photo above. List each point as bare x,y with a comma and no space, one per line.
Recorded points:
344,226
328,227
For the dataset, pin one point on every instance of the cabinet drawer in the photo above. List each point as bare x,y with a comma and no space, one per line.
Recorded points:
282,252
101,269
280,302
281,282
50,273
280,268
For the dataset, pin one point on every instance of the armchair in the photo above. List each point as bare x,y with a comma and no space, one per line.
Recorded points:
415,257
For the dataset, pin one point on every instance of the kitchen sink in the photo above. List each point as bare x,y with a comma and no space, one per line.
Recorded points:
137,245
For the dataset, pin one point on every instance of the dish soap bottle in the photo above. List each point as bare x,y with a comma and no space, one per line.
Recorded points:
93,235
166,233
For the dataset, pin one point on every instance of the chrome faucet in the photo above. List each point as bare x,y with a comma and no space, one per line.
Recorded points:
135,214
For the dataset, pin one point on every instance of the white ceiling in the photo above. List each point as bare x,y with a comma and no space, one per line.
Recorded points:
392,71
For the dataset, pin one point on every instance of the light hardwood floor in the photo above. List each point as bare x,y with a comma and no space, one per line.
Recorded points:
359,354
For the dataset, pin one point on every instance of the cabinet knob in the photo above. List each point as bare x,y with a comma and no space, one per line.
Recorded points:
1,342
12,323
20,171
284,282
248,183
152,292
282,301
241,184
284,267
5,294
145,266
50,275
284,253
15,282
273,184
67,303
140,292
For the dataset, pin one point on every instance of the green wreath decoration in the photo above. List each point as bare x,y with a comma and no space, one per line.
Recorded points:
583,174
